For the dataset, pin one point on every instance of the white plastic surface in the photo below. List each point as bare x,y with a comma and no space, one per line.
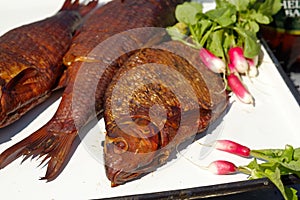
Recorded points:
272,123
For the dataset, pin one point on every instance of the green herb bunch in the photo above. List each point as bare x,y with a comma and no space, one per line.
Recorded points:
266,163
226,37
231,23
277,162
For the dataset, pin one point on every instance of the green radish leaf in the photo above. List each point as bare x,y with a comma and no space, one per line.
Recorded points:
261,18
297,154
253,164
228,42
291,193
270,7
204,39
269,165
256,174
215,43
268,152
254,169
204,25
198,30
252,26
252,47
240,4
251,43
175,33
285,171
187,12
275,177
292,165
223,16
287,154
222,4
251,2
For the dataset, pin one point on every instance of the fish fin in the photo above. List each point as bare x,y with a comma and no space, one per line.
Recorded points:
63,81
21,78
52,146
70,62
83,9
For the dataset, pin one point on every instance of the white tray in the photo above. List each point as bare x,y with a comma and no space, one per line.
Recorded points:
272,123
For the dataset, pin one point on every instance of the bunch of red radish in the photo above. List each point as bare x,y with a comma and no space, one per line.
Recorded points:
223,167
237,65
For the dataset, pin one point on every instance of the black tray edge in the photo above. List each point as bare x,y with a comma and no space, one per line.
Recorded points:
236,190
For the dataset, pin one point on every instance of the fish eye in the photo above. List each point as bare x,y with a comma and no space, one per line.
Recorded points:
120,145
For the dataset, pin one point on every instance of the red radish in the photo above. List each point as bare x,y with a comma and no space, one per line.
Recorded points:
252,62
222,167
232,69
239,62
232,147
239,89
211,61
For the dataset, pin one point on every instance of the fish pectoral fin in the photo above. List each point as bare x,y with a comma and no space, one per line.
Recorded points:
70,59
25,77
85,59
63,80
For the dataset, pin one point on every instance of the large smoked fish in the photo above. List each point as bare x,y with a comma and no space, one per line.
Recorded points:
160,98
31,59
81,101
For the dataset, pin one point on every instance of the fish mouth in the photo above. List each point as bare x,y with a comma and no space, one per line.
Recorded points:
120,177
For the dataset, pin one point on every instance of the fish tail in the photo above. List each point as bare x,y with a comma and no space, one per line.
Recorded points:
83,9
51,145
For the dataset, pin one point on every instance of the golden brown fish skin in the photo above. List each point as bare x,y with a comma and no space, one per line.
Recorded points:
139,138
31,60
118,16
78,104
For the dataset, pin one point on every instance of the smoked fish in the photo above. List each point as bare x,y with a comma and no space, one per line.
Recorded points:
88,73
31,59
161,97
